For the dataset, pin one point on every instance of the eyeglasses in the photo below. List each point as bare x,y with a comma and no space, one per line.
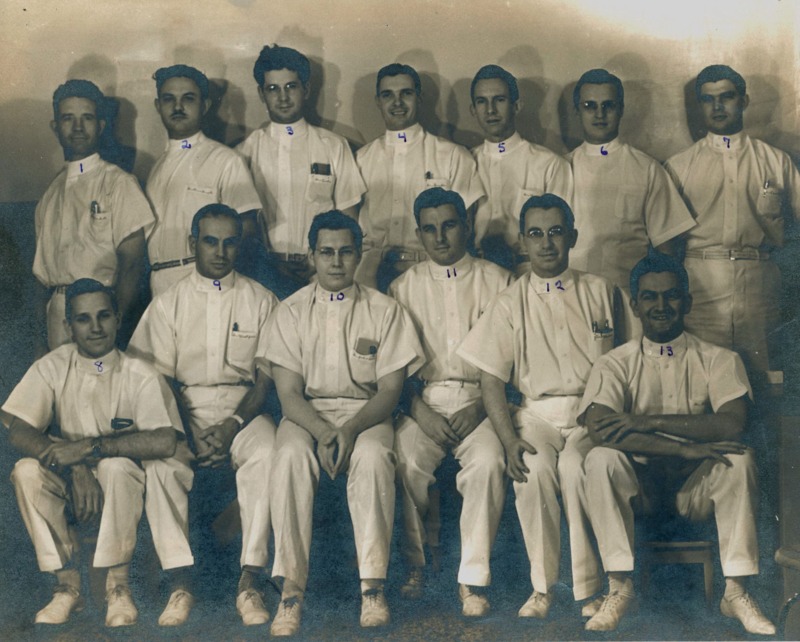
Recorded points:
606,105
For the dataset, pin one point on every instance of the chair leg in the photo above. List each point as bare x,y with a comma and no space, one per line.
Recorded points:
785,614
708,580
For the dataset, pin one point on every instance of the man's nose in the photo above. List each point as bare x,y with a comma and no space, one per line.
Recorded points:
492,107
718,104
337,259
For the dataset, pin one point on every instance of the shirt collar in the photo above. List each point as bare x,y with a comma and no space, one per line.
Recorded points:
558,283
402,137
725,143
664,350
83,166
499,150
327,296
183,144
601,150
290,131
447,272
208,285
98,367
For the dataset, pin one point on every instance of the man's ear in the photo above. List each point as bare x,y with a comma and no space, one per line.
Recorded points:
574,239
68,329
687,303
472,110
745,101
206,106
634,307
418,232
378,102
157,104
518,105
101,127
193,245
261,95
307,89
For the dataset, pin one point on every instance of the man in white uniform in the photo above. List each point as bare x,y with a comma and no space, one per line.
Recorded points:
625,202
543,334
90,222
667,412
511,169
445,296
398,166
119,430
339,354
741,191
206,333
193,171
299,170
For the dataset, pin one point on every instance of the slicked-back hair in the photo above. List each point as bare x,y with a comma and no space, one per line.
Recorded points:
658,262
334,220
277,57
214,210
80,89
546,202
163,74
398,69
87,286
598,77
495,71
436,197
715,73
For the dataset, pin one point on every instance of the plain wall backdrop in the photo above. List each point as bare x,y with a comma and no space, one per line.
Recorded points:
656,48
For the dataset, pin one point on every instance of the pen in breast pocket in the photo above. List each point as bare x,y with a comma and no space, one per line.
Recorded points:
94,208
766,184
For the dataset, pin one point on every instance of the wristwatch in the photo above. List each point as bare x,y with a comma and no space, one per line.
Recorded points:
96,452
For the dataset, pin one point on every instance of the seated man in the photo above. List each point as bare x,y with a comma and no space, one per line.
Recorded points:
119,429
398,166
206,333
682,404
543,334
299,170
339,353
445,296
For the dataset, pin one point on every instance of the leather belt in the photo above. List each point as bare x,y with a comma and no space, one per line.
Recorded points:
402,254
155,267
453,383
743,254
288,257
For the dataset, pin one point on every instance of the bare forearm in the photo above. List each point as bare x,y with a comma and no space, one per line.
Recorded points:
27,440
644,444
252,403
703,428
127,285
493,393
297,408
375,411
147,444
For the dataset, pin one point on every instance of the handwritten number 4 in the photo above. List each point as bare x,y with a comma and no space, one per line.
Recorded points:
402,136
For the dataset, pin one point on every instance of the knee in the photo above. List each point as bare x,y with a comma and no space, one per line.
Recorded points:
372,456
542,465
27,473
602,462
167,472
292,456
742,468
112,469
490,464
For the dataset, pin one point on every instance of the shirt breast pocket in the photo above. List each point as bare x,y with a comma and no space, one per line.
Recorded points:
769,208
242,349
363,360
320,188
100,224
196,197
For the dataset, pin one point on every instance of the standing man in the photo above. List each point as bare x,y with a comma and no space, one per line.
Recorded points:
543,334
193,171
339,353
445,296
741,191
119,431
208,334
398,166
90,222
668,413
299,170
511,169
625,202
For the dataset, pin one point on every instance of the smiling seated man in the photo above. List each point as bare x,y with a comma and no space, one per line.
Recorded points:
543,334
667,413
299,170
119,430
207,334
340,353
445,296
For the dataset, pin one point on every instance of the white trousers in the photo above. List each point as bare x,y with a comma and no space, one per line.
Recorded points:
43,496
370,493
481,482
557,467
730,493
251,458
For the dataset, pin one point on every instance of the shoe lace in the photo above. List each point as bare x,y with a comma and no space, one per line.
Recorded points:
750,604
117,592
373,596
610,603
289,604
177,597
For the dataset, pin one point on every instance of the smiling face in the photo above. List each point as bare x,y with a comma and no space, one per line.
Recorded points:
284,95
493,109
94,324
661,305
398,101
77,127
443,234
548,241
335,259
216,247
723,107
181,107
600,113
